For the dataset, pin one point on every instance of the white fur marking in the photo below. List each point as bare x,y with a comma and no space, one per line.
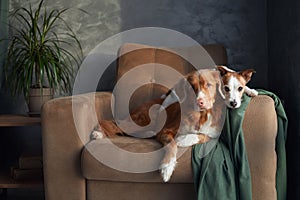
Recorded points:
171,98
187,140
166,169
234,94
208,129
226,68
200,95
251,92
97,135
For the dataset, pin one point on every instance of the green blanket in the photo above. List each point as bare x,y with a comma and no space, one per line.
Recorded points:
224,172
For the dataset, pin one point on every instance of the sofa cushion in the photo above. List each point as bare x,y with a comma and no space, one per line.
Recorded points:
98,151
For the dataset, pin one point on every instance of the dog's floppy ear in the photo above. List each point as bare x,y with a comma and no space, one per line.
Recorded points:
177,94
247,74
217,75
181,89
222,69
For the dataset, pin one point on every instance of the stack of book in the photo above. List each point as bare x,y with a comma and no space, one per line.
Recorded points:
30,167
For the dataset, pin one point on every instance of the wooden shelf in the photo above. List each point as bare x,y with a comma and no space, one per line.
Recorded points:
18,120
7,182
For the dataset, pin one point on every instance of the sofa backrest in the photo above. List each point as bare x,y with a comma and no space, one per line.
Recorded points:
142,67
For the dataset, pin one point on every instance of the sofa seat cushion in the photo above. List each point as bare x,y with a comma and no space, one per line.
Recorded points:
131,159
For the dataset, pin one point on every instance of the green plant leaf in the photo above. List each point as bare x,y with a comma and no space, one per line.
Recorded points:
43,50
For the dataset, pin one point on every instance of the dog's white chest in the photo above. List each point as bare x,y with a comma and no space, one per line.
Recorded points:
207,128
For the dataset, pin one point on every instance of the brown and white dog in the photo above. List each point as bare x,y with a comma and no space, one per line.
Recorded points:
200,122
234,85
192,115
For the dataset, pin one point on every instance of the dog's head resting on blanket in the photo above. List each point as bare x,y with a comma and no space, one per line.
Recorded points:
235,85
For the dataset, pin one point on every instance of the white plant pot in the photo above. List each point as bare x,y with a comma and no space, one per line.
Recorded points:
37,99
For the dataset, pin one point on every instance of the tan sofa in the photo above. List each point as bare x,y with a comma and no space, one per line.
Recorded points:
72,172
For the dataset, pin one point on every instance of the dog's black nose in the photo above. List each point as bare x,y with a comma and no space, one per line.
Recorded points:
233,104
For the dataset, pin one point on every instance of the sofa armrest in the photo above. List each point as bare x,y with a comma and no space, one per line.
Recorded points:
66,126
260,131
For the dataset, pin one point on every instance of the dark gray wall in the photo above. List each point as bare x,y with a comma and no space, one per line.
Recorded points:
239,25
284,60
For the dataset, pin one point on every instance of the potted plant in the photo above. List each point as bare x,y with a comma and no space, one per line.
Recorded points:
43,54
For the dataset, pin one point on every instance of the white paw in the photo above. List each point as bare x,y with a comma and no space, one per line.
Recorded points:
96,134
251,92
187,140
166,169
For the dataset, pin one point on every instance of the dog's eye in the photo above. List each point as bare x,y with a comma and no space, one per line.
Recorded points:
208,85
226,88
240,89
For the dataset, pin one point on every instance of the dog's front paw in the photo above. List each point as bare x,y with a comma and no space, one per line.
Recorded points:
166,169
251,92
187,140
97,134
